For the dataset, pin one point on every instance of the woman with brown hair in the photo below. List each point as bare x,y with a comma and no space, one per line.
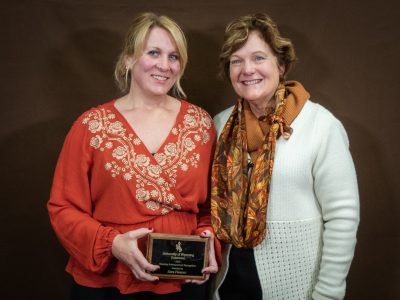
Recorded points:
284,190
127,168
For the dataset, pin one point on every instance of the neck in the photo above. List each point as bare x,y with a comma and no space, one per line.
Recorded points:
259,108
135,99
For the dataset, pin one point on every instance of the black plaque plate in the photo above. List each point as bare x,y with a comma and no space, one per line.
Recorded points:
179,256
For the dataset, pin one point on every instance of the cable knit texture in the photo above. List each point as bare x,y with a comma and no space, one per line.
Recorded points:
313,211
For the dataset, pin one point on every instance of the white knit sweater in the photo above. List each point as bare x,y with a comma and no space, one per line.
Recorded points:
313,212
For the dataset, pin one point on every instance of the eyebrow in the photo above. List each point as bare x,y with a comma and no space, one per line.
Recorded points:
260,52
152,47
253,53
159,49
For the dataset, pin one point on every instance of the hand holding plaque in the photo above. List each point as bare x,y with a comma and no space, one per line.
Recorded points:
179,256
125,248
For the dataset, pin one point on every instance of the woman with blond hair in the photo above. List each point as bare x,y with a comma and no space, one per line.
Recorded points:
284,190
127,168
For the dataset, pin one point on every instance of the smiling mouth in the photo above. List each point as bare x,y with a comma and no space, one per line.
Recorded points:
159,77
251,82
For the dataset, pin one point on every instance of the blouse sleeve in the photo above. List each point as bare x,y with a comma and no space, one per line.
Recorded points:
335,186
70,206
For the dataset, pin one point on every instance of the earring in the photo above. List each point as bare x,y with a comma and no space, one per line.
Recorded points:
281,78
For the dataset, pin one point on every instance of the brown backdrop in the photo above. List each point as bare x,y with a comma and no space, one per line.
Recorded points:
57,60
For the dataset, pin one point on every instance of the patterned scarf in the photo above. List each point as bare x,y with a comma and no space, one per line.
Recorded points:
239,210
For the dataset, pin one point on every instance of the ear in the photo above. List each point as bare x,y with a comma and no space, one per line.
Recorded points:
281,70
129,62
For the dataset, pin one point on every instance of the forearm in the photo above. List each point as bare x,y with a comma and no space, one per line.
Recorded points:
83,238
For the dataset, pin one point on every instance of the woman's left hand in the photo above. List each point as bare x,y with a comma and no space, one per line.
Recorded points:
212,262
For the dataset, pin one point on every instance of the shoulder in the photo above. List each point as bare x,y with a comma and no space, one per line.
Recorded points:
326,126
221,118
326,118
316,112
98,113
102,108
199,113
321,117
92,119
190,107
320,111
224,115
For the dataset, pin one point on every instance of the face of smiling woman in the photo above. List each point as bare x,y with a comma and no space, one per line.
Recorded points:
157,69
254,71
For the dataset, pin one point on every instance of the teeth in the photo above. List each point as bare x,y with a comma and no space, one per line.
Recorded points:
158,77
250,82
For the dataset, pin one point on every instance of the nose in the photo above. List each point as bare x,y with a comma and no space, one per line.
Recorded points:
163,64
248,68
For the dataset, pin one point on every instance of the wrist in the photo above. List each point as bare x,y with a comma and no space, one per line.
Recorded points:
114,239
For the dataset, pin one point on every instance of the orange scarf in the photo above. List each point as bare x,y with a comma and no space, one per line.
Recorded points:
239,206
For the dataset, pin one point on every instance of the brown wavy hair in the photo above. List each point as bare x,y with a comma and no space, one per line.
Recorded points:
237,32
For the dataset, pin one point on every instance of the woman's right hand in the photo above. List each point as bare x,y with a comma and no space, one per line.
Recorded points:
125,248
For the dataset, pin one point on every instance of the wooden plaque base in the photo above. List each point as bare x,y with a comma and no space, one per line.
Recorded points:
179,256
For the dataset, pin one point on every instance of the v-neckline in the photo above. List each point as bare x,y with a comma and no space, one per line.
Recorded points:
182,109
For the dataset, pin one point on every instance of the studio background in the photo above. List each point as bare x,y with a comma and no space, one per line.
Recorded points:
57,60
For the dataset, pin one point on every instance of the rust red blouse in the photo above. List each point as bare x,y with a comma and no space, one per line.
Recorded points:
106,182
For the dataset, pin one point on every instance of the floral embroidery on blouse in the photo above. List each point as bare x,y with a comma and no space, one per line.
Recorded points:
152,189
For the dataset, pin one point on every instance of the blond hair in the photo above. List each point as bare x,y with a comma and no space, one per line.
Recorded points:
135,41
237,32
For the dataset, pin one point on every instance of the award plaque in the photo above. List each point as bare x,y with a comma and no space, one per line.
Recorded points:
179,256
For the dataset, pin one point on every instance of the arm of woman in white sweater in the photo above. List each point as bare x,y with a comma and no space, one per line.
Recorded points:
335,185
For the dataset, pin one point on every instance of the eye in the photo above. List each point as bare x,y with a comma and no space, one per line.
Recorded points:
259,58
173,57
153,53
235,61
